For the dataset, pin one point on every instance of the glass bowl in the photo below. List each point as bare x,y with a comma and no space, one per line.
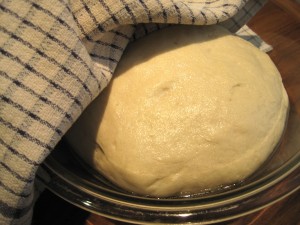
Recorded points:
67,176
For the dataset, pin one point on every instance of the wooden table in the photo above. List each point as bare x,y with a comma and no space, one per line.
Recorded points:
278,23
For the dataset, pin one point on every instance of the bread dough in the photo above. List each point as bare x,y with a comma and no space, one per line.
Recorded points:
189,108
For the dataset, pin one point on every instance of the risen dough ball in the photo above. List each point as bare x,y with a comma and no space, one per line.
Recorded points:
189,108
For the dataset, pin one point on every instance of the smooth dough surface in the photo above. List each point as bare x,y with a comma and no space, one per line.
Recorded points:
189,108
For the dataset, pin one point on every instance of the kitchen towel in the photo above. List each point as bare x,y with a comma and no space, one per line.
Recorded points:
56,56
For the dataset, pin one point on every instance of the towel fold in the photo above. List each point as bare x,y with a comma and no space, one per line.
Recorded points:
56,56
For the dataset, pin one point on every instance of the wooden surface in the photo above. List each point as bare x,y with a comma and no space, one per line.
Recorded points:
290,6
278,23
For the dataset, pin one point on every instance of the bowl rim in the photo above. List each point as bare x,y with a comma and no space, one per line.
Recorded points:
229,207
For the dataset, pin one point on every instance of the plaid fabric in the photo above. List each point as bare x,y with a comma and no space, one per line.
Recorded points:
56,56
247,34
